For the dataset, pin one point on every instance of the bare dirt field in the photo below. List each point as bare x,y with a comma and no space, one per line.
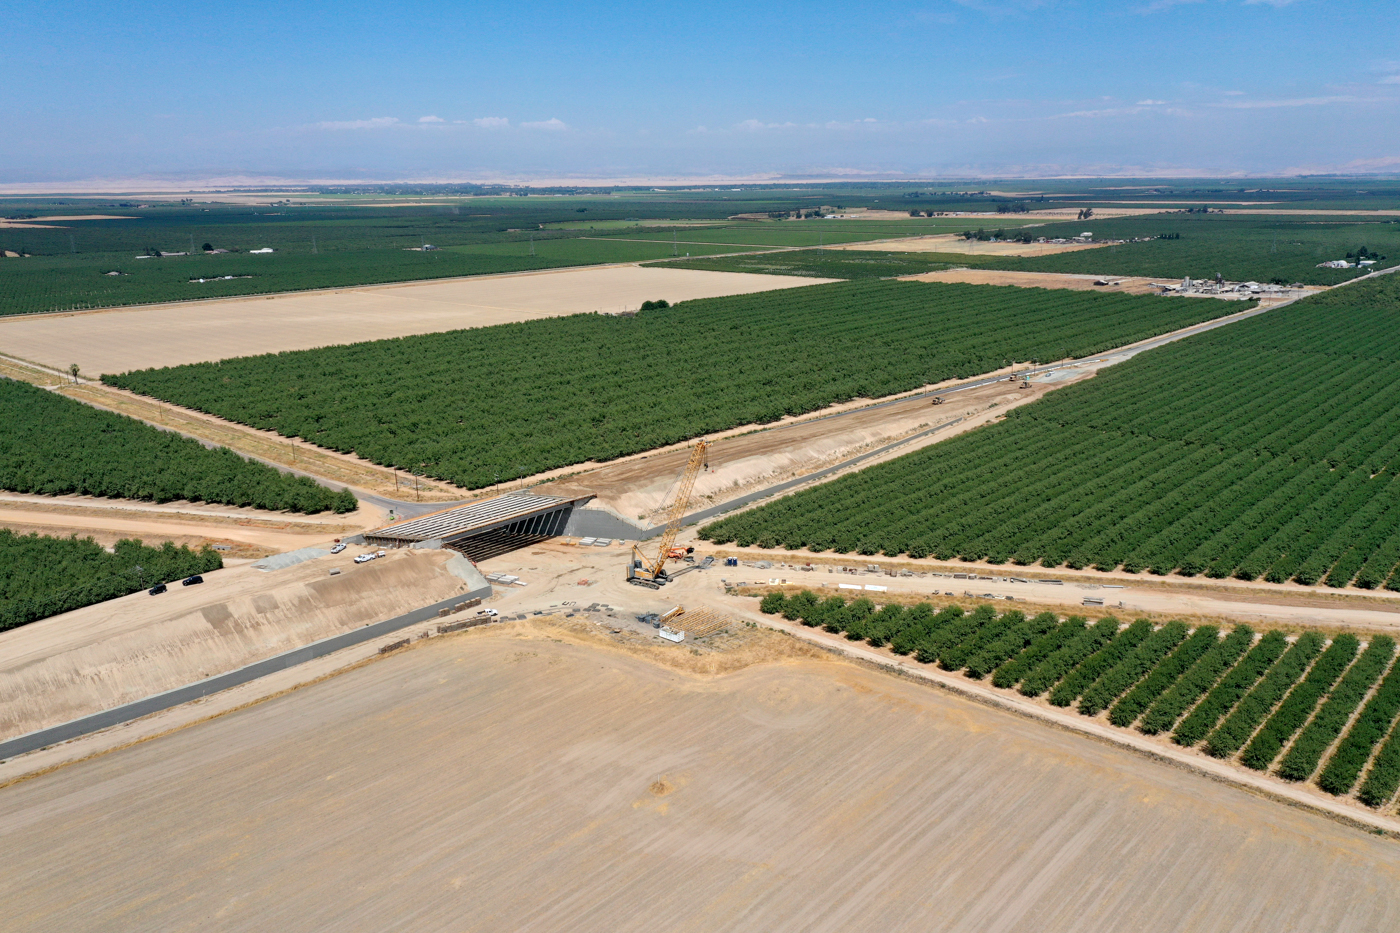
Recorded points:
121,339
951,243
531,778
1132,285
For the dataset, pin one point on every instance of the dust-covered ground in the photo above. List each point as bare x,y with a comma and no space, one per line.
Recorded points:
529,779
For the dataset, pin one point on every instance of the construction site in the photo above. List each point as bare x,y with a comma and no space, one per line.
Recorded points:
533,704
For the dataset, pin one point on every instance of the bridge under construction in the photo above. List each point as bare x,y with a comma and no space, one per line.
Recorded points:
487,528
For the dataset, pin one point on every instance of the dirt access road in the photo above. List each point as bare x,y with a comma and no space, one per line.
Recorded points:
1276,605
121,339
747,459
239,532
751,458
530,778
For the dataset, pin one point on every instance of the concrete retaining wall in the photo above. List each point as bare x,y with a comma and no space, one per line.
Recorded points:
595,522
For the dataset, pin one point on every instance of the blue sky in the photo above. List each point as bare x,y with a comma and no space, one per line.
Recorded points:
546,90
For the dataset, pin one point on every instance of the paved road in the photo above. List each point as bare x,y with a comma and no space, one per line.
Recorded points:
161,701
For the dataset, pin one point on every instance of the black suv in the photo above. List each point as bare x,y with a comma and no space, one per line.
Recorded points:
191,581
157,589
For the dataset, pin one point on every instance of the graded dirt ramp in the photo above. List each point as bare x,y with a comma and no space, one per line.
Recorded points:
102,656
512,780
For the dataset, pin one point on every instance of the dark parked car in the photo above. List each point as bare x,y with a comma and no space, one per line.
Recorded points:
191,581
157,589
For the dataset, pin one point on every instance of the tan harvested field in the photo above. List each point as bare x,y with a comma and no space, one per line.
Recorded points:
1132,285
952,243
121,339
528,779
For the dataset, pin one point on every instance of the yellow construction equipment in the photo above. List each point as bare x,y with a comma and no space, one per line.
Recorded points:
651,572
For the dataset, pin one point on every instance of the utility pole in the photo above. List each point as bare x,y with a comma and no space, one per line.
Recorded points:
532,245
675,247
313,244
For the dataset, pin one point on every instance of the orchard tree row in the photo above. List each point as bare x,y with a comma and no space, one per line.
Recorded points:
1268,448
45,576
54,446
475,406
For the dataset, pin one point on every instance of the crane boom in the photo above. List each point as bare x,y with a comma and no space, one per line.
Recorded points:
653,567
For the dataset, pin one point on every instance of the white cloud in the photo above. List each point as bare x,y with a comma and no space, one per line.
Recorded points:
431,120
374,123
492,123
1390,79
1157,6
1150,103
1105,112
760,125
1272,3
1290,102
553,124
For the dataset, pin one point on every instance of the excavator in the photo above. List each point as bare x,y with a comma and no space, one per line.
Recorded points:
645,570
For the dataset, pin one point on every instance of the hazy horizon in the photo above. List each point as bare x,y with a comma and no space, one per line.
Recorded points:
571,93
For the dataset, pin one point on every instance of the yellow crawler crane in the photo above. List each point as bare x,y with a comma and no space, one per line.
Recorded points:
651,571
